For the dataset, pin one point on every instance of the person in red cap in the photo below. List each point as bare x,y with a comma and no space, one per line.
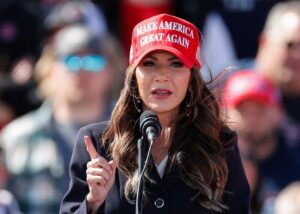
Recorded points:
253,107
194,164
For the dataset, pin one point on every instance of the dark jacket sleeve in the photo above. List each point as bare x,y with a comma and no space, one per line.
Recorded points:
237,191
74,200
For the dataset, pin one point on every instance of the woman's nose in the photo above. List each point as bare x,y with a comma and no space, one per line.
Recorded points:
163,73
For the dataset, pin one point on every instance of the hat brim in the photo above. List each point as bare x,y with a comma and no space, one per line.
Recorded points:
262,99
185,60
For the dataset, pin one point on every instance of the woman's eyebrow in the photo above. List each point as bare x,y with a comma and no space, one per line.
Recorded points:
172,58
155,58
151,57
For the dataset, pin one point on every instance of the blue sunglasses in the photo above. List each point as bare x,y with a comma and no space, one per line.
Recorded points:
91,63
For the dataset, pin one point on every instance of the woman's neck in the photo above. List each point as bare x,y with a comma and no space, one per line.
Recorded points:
162,144
166,119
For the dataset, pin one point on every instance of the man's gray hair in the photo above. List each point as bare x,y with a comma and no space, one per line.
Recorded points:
274,22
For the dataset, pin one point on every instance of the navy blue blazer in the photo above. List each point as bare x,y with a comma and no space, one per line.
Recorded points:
168,195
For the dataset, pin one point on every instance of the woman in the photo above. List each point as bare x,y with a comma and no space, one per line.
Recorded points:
195,165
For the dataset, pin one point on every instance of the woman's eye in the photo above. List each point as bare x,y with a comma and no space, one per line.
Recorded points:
177,64
148,63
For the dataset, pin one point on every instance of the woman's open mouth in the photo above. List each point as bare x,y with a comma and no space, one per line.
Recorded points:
161,93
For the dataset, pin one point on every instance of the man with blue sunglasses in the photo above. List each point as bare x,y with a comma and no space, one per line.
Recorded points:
91,63
78,74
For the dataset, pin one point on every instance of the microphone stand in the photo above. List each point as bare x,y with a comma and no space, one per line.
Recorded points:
139,195
150,128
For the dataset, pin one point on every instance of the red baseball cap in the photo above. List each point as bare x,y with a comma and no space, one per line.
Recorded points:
249,85
168,33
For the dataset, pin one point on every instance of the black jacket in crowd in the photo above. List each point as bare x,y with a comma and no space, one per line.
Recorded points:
169,195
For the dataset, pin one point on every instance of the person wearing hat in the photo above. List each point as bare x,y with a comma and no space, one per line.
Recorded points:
78,77
253,107
194,166
278,56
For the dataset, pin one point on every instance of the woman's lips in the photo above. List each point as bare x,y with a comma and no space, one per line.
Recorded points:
161,93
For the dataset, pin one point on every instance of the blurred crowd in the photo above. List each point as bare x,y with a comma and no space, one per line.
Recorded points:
62,65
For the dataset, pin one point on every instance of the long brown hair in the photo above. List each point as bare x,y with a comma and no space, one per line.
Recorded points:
196,148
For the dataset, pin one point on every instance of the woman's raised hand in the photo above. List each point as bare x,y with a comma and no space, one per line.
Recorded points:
100,176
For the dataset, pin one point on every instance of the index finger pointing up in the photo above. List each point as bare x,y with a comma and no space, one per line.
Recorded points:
90,147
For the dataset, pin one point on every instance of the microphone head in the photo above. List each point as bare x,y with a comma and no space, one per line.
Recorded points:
149,119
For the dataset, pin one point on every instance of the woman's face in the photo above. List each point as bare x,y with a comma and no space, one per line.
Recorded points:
162,81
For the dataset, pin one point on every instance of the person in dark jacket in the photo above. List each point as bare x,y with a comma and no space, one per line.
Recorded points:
194,167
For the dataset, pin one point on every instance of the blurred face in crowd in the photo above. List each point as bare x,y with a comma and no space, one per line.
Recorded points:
81,76
279,54
255,122
162,82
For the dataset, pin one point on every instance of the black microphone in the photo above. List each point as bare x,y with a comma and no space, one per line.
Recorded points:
150,129
149,125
